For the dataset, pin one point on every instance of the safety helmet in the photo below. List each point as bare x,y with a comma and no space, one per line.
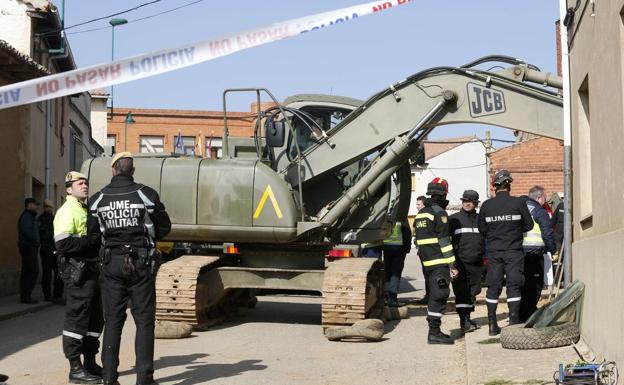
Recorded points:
437,186
501,177
470,196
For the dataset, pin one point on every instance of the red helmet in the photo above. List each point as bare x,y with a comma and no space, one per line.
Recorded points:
437,186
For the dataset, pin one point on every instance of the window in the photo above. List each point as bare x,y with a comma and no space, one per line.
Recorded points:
189,145
216,144
111,141
584,153
152,144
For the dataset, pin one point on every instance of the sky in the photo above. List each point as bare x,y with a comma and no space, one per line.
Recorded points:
355,59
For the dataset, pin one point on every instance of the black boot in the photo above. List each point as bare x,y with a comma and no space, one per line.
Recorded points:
472,324
465,323
91,366
79,375
492,322
436,337
514,312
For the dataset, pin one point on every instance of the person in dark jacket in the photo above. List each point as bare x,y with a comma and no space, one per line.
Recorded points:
503,220
557,223
77,256
538,243
28,244
395,248
130,218
469,247
51,283
431,235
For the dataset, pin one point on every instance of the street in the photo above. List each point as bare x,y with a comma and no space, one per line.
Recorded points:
280,342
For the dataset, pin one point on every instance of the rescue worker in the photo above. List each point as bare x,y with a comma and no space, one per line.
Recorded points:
77,255
435,250
130,218
395,248
503,220
469,247
557,223
420,203
538,244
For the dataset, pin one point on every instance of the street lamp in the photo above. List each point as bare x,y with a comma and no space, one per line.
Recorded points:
129,120
114,23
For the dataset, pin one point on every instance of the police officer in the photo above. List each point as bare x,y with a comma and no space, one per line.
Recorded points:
503,220
435,250
130,217
537,243
469,247
395,248
77,254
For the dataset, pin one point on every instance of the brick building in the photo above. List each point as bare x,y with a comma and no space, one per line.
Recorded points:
536,161
156,130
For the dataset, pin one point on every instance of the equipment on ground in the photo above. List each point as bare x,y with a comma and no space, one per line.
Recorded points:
585,373
291,208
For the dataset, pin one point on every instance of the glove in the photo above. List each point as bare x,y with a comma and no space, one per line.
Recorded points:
554,257
454,273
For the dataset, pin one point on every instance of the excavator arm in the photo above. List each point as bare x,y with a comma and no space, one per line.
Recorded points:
396,120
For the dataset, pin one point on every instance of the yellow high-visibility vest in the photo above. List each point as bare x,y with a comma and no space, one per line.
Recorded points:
533,238
396,237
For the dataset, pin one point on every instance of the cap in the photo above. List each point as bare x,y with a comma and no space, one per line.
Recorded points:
120,155
48,203
470,196
73,176
30,200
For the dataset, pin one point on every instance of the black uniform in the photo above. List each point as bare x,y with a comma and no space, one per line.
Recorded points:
557,223
469,247
51,283
537,242
28,244
130,217
435,250
503,221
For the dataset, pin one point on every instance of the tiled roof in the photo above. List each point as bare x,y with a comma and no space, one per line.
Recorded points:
436,147
16,57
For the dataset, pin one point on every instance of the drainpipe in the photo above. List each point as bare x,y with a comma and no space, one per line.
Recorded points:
567,149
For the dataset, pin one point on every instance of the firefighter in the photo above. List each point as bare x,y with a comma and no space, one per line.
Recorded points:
130,218
469,247
395,248
538,243
503,220
77,256
435,250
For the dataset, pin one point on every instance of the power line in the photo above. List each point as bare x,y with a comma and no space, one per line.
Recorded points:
111,15
455,168
141,18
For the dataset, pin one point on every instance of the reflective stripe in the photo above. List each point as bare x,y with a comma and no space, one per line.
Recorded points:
424,215
137,206
466,230
446,249
95,204
93,334
396,238
145,199
103,208
61,236
72,335
503,218
439,261
491,300
463,306
533,238
426,241
514,299
432,314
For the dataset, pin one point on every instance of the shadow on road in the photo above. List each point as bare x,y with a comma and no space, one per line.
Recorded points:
15,338
200,373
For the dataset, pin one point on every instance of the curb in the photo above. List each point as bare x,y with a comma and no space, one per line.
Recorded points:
21,312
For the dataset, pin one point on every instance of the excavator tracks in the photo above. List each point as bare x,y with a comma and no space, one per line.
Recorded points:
180,294
352,291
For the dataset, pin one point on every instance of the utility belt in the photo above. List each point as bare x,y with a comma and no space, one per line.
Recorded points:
133,257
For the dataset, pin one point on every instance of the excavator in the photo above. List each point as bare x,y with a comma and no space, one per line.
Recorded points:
291,208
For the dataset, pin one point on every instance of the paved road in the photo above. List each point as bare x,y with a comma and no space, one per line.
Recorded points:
278,342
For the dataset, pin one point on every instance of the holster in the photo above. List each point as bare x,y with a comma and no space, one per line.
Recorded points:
138,257
72,270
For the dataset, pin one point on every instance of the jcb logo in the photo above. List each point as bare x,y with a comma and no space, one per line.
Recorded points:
485,101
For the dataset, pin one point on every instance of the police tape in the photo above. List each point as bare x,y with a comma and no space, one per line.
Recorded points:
158,62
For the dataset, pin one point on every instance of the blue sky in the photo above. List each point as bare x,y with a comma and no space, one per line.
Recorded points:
353,59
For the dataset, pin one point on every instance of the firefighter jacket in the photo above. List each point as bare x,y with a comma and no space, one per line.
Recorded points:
503,220
128,213
468,242
70,232
431,235
401,237
541,234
